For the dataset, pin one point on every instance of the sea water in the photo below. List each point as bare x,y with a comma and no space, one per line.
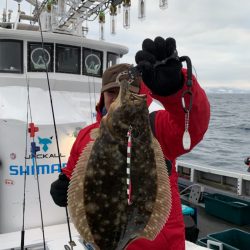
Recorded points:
227,142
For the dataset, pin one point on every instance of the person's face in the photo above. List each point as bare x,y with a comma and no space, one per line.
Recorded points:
109,96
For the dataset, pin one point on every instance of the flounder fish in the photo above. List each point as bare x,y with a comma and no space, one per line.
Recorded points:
117,195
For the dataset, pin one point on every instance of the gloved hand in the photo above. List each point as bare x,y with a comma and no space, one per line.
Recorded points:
58,190
163,78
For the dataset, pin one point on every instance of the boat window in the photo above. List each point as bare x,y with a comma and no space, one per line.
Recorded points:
40,57
11,59
112,59
92,63
68,59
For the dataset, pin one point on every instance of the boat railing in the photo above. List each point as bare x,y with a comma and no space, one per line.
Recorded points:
231,181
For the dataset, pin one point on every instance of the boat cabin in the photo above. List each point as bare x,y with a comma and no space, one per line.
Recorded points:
75,66
65,57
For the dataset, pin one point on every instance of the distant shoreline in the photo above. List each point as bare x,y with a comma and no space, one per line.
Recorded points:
227,91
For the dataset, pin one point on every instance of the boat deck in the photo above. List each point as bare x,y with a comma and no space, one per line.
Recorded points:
56,238
208,224
228,189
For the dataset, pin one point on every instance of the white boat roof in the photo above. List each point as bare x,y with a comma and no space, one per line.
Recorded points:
70,107
62,38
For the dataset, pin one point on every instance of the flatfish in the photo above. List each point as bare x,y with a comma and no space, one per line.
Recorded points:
115,197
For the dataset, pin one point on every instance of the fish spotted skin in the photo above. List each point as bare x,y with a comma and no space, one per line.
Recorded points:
108,220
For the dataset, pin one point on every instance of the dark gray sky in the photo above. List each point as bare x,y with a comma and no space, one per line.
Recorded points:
215,34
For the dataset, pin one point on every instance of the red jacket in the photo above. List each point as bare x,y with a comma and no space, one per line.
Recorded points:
169,129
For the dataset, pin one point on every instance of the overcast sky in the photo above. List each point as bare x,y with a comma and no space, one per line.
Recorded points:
215,34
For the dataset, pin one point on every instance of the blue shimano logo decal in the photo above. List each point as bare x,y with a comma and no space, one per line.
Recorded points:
45,142
48,161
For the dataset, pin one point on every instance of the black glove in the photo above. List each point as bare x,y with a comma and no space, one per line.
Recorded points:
58,190
160,66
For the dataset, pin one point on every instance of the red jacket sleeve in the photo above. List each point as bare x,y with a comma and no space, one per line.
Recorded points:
81,141
170,123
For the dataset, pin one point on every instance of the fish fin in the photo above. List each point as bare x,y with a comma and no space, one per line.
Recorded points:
163,200
75,195
94,133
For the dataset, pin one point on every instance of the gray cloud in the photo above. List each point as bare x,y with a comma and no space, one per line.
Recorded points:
215,34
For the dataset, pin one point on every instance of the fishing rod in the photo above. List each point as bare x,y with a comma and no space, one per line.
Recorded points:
25,172
31,129
34,149
71,242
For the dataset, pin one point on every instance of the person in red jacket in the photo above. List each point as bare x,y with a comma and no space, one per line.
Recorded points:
178,126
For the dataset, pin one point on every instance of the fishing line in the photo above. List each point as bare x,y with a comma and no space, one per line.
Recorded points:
89,83
196,75
90,101
25,164
39,194
34,161
94,89
71,242
93,83
29,112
